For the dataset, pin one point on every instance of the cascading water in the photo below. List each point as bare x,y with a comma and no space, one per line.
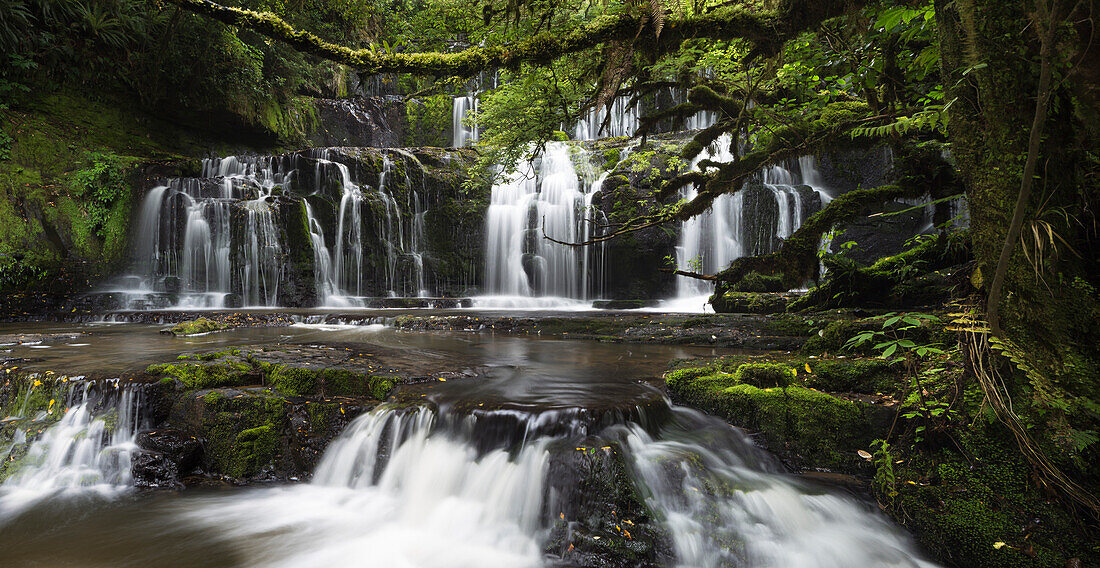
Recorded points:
548,197
409,487
624,121
220,240
726,505
397,489
728,230
464,120
88,451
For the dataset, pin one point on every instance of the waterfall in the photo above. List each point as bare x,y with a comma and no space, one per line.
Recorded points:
410,487
87,451
713,239
260,266
624,121
724,506
348,256
463,108
397,489
549,197
218,240
323,273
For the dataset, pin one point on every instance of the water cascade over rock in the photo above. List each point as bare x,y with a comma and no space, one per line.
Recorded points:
88,451
752,221
329,226
548,195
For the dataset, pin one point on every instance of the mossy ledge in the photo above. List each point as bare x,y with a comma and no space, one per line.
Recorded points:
776,397
267,413
196,327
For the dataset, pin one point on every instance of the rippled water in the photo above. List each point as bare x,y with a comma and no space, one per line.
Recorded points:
468,484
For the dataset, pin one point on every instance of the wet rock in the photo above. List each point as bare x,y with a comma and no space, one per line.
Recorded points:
600,519
166,456
176,445
623,304
752,302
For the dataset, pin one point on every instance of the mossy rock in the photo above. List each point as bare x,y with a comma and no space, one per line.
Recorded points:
833,336
806,427
750,303
865,376
205,375
959,506
197,326
756,282
242,430
765,375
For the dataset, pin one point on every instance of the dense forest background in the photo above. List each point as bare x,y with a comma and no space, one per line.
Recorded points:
991,99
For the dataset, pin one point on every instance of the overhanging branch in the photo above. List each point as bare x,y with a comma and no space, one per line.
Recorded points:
768,29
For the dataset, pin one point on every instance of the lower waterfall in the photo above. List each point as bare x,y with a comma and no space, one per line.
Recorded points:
87,452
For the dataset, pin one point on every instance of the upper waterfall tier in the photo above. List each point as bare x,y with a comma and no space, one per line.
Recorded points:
328,226
752,221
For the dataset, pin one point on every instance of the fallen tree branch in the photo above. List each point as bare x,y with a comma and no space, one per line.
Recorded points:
695,275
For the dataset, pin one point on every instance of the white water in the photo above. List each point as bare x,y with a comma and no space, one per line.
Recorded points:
81,455
393,491
549,198
216,241
397,489
625,119
464,120
400,488
724,508
713,239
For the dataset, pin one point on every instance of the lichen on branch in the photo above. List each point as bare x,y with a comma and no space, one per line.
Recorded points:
767,29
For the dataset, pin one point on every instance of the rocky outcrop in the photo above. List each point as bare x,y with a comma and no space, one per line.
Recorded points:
777,396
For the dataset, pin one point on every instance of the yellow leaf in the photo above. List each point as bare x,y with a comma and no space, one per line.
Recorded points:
808,368
998,545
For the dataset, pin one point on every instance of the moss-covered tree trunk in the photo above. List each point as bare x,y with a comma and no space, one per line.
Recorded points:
990,57
1048,306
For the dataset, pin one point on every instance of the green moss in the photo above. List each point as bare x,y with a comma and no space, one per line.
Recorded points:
243,433
757,282
292,381
959,506
833,336
868,376
255,447
206,375
807,427
197,326
380,387
765,375
750,303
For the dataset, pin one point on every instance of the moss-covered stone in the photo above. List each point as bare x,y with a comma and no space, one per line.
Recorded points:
867,376
808,428
205,375
750,303
765,375
963,499
197,326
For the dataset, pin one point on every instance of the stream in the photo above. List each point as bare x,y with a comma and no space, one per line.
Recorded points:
512,465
